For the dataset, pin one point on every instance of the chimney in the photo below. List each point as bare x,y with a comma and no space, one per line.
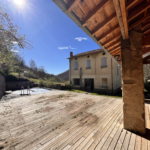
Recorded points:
71,54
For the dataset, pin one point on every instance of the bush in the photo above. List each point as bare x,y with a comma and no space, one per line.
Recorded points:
41,84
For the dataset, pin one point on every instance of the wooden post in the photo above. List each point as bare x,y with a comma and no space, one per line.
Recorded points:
132,78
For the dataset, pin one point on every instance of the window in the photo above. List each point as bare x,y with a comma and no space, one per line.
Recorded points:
104,62
76,81
88,64
104,82
76,66
117,70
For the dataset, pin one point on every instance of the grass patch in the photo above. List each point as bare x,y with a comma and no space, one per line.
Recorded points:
77,91
117,95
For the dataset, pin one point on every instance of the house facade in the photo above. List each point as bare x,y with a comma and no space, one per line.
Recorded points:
94,71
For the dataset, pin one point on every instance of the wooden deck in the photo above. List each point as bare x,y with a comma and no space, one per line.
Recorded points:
100,126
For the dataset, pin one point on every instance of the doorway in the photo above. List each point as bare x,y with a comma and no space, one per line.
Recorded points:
89,84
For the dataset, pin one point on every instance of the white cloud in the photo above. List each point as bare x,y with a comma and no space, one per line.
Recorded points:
61,48
15,51
71,47
68,47
80,38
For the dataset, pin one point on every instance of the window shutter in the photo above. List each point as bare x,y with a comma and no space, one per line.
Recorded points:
88,64
76,65
104,62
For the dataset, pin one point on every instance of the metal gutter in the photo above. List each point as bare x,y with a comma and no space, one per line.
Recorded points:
62,5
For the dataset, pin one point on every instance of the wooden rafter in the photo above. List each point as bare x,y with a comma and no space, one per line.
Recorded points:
124,17
115,48
107,33
72,4
119,17
113,44
91,14
114,37
145,25
130,3
107,21
116,51
138,10
140,21
146,30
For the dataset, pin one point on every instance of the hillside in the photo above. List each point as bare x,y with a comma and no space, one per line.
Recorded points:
64,76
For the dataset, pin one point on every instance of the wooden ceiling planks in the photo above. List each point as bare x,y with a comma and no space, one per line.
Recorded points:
112,38
103,19
108,32
105,22
91,14
114,43
72,4
130,3
138,10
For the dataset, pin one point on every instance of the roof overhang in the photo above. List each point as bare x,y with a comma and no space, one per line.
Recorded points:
105,21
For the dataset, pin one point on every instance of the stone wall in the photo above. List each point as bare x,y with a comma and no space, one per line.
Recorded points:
19,85
2,86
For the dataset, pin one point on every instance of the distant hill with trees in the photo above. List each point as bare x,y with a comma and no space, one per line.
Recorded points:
64,76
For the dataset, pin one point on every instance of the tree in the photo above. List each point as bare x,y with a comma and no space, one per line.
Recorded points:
32,65
9,38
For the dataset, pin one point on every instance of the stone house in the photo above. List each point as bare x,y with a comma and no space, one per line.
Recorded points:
94,71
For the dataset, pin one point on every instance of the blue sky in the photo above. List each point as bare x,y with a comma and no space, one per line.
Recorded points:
52,33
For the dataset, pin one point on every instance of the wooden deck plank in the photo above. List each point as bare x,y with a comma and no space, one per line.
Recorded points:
144,144
103,140
125,144
76,135
121,140
101,132
112,135
138,143
132,142
92,128
116,137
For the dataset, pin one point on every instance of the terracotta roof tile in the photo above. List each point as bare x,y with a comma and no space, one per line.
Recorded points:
87,53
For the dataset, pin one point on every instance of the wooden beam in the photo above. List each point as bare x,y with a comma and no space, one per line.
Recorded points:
107,21
117,47
119,17
124,17
138,10
72,4
113,44
130,3
140,21
146,24
114,37
146,30
91,14
119,53
108,32
116,51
